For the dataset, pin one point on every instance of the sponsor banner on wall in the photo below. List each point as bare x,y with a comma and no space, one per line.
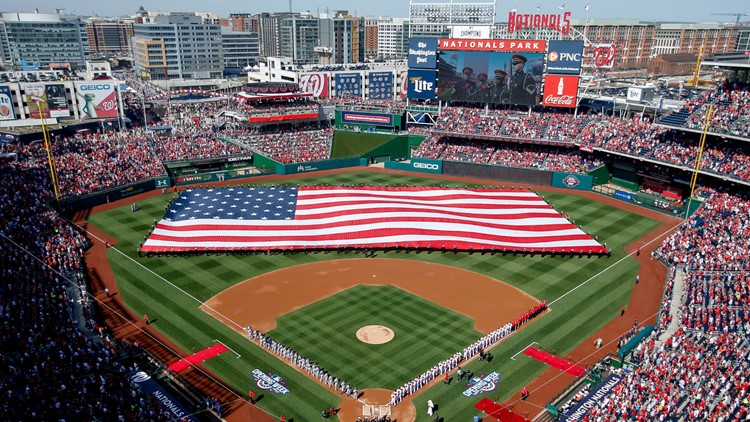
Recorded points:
565,57
594,398
572,181
380,86
361,118
348,85
315,84
57,100
472,31
36,100
6,138
521,46
156,392
96,99
421,84
560,91
423,53
403,83
625,196
427,166
6,104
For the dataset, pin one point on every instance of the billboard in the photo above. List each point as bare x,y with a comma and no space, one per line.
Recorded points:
508,77
361,118
57,100
423,53
36,99
97,99
348,85
564,57
477,31
519,46
380,86
560,91
421,84
403,79
6,104
315,84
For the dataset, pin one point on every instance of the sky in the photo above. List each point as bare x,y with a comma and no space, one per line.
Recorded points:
644,10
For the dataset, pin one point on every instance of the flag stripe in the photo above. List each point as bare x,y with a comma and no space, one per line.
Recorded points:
314,217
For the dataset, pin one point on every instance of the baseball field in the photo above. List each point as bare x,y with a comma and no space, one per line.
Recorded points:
434,303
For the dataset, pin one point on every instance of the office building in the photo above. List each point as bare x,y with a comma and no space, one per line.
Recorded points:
239,49
299,36
109,36
39,38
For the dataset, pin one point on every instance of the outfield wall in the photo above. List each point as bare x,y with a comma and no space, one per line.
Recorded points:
320,165
508,174
103,197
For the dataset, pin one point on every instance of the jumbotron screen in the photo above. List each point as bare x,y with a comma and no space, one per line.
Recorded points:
507,77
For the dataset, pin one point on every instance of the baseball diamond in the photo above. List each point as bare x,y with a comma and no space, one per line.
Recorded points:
176,287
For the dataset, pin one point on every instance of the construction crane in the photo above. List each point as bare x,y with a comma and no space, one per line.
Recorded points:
695,80
738,15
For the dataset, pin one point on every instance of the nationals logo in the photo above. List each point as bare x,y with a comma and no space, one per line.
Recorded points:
403,79
482,384
269,381
560,91
604,56
315,84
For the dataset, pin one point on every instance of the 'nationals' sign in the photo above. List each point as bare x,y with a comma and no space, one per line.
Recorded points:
592,399
560,91
521,46
519,21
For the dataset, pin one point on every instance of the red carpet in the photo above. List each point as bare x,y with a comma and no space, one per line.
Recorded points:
555,361
499,411
197,358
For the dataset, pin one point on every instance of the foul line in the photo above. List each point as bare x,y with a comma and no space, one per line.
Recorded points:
527,346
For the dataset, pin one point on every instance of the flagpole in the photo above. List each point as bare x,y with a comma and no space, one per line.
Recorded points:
47,146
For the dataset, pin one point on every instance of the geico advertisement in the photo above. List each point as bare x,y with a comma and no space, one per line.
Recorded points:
96,99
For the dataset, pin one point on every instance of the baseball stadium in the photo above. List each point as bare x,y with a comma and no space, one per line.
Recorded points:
486,233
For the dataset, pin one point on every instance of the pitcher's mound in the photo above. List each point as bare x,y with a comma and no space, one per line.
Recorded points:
375,334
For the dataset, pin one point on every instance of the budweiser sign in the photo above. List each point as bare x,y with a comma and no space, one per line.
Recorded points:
560,91
519,21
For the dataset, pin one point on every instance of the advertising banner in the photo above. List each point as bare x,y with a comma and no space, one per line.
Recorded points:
491,77
153,389
6,104
380,86
474,31
403,79
423,53
466,44
96,99
57,100
625,196
36,99
594,398
565,57
572,181
560,91
421,84
6,137
427,166
362,118
348,85
315,84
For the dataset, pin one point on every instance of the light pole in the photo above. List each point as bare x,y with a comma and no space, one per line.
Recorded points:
47,145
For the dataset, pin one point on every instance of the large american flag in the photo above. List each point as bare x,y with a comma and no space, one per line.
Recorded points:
259,218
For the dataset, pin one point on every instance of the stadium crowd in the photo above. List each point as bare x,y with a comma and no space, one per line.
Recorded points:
56,363
286,146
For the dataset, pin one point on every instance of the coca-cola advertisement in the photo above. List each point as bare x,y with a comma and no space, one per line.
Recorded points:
314,83
560,91
96,99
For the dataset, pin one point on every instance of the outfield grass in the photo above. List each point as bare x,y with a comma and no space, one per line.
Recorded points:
197,278
425,333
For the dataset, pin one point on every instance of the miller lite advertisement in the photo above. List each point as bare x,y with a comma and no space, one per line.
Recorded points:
314,83
96,99
560,91
565,57
421,84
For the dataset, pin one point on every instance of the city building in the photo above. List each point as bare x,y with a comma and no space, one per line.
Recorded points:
105,36
240,49
41,39
342,34
178,46
393,38
371,37
298,38
268,27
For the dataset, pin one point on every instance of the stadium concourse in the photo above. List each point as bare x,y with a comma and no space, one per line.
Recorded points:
67,358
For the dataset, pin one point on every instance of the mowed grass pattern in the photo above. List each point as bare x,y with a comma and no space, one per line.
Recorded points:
425,333
572,319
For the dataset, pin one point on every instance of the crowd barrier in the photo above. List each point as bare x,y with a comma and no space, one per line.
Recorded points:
78,203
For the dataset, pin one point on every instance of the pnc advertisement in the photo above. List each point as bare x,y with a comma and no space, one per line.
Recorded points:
491,77
565,57
315,84
560,91
96,99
